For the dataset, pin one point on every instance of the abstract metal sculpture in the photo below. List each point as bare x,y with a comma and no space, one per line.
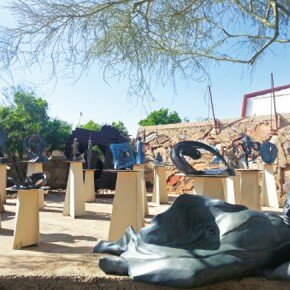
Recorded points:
193,150
140,157
123,155
33,147
34,181
2,143
89,153
268,152
76,156
199,241
158,159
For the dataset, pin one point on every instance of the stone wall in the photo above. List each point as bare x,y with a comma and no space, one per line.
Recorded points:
161,138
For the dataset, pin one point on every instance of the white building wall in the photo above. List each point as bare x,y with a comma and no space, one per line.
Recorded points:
263,105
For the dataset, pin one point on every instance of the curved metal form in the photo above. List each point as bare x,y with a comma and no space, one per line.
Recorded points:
34,181
192,150
33,147
123,155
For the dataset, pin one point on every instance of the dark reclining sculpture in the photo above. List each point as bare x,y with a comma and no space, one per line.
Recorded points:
200,241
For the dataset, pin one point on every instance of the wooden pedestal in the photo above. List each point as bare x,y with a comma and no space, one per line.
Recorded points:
74,203
250,193
3,180
128,204
269,192
159,189
232,189
89,185
26,231
35,167
211,186
141,168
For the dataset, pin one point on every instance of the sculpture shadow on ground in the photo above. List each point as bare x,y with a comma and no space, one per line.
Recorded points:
200,241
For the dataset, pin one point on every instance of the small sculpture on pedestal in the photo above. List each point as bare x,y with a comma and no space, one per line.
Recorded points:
33,147
76,156
123,156
158,159
89,153
2,144
34,181
140,158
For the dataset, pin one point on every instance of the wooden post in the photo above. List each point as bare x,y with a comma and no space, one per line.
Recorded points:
26,230
160,188
35,167
141,168
89,185
128,204
250,193
269,192
74,203
3,180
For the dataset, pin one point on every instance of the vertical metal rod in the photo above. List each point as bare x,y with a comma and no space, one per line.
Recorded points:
212,108
274,102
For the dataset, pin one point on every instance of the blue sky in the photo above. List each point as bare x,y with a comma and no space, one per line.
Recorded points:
104,103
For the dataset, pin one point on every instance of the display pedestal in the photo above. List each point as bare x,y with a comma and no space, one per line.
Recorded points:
159,189
250,193
141,169
26,231
128,204
3,180
35,167
232,189
74,203
269,192
209,185
89,185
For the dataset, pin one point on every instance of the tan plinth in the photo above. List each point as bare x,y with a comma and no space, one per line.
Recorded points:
232,189
141,168
209,186
26,230
128,204
269,192
74,203
250,193
159,195
35,167
3,180
89,185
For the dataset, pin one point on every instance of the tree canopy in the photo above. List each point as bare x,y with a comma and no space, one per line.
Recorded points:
145,40
160,117
28,115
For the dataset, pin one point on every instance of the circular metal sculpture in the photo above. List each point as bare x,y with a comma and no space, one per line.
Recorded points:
2,142
268,152
33,147
34,181
193,149
200,241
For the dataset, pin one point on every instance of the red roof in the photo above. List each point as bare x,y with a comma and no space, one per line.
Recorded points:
259,93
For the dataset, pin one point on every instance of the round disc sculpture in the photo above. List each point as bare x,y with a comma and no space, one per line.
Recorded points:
33,146
200,241
193,149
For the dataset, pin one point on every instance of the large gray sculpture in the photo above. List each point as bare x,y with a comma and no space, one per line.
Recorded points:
200,241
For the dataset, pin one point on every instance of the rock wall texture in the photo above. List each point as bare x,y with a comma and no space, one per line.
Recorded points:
161,138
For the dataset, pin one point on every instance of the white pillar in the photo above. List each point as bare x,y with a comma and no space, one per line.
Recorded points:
36,167
141,169
250,192
74,203
232,189
128,204
209,186
269,192
3,180
160,187
89,185
26,230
